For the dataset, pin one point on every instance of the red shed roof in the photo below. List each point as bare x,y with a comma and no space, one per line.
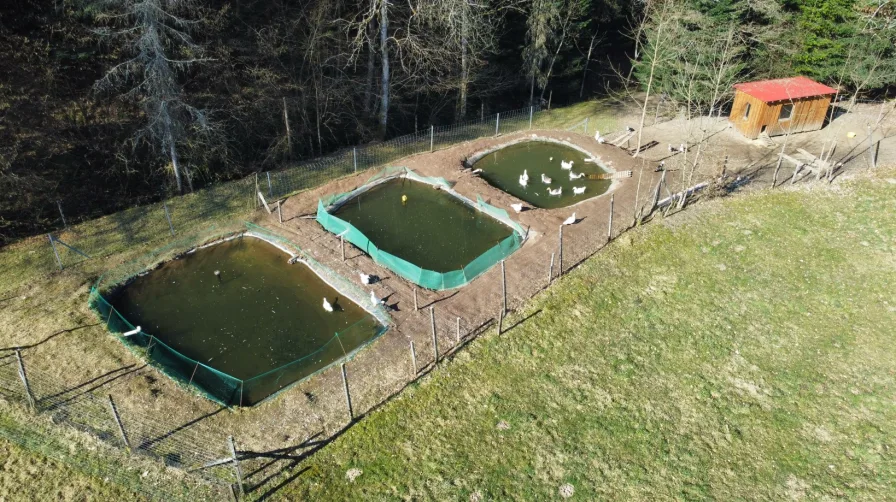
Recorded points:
784,89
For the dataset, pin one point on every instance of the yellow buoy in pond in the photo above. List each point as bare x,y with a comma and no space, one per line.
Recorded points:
404,200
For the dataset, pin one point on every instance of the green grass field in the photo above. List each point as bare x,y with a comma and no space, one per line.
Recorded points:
740,350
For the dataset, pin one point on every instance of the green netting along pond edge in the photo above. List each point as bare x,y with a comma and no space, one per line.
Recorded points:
208,382
425,278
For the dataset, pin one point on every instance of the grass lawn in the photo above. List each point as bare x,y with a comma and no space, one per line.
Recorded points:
25,475
740,350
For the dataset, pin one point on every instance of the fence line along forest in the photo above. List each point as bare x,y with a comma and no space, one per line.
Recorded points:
108,105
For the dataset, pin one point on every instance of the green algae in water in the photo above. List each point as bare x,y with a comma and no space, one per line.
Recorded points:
433,229
502,169
261,315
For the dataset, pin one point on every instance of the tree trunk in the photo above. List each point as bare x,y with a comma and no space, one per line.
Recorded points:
371,63
462,97
384,50
288,133
587,60
656,49
174,164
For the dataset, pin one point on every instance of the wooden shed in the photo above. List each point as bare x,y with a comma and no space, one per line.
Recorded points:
775,107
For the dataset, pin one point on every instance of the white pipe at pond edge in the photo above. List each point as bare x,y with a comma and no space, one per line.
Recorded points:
133,332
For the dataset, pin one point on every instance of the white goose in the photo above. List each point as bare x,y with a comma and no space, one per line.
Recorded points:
517,207
526,175
597,137
574,176
327,306
556,191
566,165
570,220
375,301
545,179
578,190
523,181
365,278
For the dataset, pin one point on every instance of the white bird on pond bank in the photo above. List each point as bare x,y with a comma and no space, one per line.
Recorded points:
574,176
570,220
517,207
597,137
556,191
567,165
365,278
327,306
545,179
375,301
578,190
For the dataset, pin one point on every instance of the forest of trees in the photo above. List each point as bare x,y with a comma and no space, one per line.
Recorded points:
107,104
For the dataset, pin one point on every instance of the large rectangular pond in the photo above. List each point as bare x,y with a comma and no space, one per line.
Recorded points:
502,169
422,224
254,322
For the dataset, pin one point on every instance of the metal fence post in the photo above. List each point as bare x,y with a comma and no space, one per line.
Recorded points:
124,436
610,224
435,341
503,288
59,205
531,109
355,158
348,397
168,217
55,251
497,123
236,464
560,252
24,376
432,135
551,270
270,187
279,212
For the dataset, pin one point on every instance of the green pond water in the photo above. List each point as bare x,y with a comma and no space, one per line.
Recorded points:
502,169
433,229
262,314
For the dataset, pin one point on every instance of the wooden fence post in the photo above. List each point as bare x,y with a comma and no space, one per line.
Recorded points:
124,435
24,376
342,246
415,300
457,332
432,136
531,109
355,158
497,123
348,397
279,212
270,186
500,322
414,358
236,464
435,341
